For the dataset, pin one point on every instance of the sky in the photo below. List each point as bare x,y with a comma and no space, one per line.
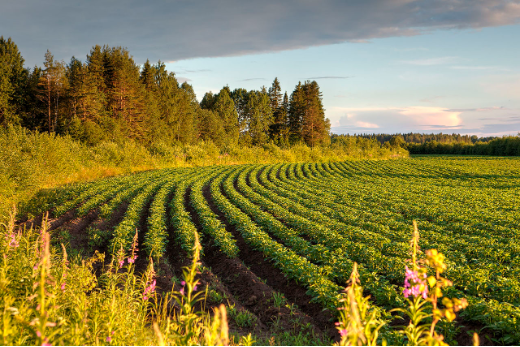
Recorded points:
383,66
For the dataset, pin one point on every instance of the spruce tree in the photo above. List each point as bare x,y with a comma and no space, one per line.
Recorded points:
278,127
34,110
275,95
148,75
297,106
13,81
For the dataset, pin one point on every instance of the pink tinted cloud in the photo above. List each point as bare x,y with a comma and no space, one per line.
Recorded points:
432,116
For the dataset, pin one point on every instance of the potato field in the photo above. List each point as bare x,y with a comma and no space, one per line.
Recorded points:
297,229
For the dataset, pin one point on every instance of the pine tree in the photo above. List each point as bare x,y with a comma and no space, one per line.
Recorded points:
307,120
13,82
124,92
314,126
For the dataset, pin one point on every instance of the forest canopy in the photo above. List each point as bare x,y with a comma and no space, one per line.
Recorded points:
109,97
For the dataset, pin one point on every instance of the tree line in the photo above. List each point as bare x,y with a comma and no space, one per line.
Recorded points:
440,143
109,97
419,138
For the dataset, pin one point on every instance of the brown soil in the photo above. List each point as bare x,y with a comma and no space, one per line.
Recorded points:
53,223
76,228
255,280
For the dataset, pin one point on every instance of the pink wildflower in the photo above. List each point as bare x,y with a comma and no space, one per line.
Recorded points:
121,263
13,242
183,283
38,333
63,286
109,339
414,285
343,332
195,288
149,290
182,291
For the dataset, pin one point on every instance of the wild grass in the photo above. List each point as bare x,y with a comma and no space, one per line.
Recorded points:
30,161
51,299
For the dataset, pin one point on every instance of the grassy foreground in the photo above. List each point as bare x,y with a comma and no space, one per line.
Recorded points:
49,299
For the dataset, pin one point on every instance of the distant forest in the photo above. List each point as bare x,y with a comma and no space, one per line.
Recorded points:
417,143
111,98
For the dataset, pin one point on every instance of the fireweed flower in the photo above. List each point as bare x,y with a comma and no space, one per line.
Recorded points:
13,242
109,339
343,332
149,290
121,263
132,260
415,284
63,286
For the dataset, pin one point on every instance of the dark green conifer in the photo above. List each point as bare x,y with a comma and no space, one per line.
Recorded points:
13,83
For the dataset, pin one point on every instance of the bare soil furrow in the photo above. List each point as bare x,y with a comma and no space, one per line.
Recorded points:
259,278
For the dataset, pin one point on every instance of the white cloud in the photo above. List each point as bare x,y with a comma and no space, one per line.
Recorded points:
489,121
182,79
422,117
361,124
432,116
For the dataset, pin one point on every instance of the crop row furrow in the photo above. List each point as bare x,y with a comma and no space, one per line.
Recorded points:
211,224
295,267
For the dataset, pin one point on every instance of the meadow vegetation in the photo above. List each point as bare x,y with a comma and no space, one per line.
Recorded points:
30,161
278,243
